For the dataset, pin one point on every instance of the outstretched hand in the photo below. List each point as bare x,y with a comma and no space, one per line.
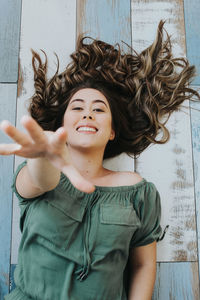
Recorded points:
38,143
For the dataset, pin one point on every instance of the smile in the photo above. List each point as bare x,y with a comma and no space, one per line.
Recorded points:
88,129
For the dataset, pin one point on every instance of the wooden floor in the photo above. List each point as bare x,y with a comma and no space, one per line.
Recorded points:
174,168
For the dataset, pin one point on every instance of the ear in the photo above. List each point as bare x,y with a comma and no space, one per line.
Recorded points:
112,135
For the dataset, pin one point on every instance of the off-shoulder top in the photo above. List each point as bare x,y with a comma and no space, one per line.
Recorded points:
76,245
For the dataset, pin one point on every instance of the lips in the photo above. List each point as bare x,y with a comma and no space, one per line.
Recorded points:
85,128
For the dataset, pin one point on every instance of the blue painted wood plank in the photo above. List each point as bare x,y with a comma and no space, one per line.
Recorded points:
8,93
177,281
195,125
12,282
192,29
106,19
9,39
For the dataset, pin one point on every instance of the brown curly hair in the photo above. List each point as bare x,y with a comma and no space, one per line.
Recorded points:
142,89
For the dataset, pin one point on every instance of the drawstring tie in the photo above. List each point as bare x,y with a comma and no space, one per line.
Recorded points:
84,270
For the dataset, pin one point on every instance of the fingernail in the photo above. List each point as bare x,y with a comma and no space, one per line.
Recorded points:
25,118
17,147
4,124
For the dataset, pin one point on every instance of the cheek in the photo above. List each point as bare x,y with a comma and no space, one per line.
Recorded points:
68,119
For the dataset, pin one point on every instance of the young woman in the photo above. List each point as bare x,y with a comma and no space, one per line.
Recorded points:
87,232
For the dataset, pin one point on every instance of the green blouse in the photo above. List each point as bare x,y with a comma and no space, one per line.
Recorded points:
76,245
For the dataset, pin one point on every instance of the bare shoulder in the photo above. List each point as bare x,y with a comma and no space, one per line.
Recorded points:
126,178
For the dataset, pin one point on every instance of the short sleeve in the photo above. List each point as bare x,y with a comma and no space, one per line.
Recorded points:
23,202
20,198
149,213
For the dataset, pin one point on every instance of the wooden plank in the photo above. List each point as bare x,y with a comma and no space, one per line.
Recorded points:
177,281
8,93
106,19
12,282
9,39
192,25
109,21
54,31
195,122
169,166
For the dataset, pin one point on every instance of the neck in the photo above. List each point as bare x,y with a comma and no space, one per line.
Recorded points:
88,163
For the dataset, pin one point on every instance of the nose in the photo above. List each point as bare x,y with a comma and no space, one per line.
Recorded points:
88,117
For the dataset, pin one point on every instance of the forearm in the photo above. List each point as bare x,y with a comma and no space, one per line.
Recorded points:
142,282
42,173
36,178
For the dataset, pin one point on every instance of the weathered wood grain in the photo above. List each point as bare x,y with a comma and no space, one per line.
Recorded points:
169,166
192,29
8,93
177,281
9,39
195,122
106,19
12,282
109,21
51,26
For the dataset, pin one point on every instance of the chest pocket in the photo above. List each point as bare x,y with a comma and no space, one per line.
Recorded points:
119,215
58,219
116,228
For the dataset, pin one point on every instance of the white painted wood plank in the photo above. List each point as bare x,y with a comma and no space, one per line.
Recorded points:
169,166
51,26
195,120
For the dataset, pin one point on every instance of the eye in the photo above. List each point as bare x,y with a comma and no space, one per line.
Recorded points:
77,108
98,110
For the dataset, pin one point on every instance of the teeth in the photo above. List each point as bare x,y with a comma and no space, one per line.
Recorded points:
86,129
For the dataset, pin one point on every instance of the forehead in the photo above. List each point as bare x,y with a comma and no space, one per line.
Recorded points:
89,94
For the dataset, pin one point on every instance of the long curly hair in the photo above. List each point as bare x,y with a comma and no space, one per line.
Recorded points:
142,89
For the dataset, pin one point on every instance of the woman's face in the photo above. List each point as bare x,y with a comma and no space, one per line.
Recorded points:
88,120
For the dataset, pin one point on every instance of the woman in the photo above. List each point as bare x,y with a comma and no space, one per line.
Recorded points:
86,228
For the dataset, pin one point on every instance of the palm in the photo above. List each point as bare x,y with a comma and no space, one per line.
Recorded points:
37,143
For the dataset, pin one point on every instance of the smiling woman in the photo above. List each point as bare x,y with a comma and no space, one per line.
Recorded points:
81,223
88,121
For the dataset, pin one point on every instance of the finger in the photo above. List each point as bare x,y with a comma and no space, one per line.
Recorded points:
18,136
36,132
59,138
77,180
9,149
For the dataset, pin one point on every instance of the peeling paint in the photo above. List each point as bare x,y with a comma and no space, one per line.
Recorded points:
190,224
191,246
180,185
20,81
180,255
178,150
181,173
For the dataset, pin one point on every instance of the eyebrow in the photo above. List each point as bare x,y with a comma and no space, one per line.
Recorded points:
94,101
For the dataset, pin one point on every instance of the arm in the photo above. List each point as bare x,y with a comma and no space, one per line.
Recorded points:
142,266
34,180
47,157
